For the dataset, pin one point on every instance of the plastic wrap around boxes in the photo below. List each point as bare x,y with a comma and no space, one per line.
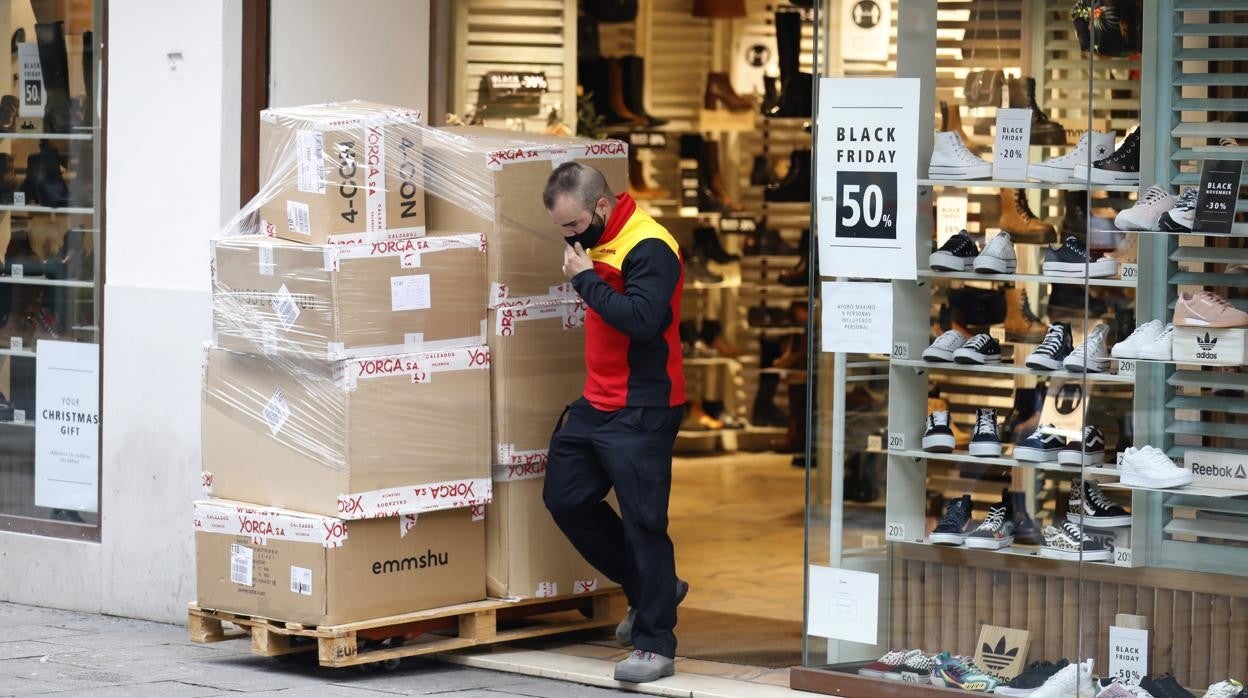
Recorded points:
536,338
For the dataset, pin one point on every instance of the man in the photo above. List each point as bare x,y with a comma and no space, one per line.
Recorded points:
620,432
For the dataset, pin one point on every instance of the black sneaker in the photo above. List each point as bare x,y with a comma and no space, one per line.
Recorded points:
1026,530
986,440
1053,349
1166,686
1089,506
1041,446
1069,298
980,349
1033,677
1090,450
955,255
1123,167
938,438
955,524
1073,260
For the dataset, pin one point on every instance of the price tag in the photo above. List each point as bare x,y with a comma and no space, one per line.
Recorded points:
1128,654
867,204
737,223
19,198
1126,367
689,180
894,530
875,442
647,139
15,343
19,416
901,350
1122,557
997,333
1118,460
896,441
1009,160
1218,195
1130,272
17,271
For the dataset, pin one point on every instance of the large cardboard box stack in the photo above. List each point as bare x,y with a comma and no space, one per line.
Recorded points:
346,418
536,337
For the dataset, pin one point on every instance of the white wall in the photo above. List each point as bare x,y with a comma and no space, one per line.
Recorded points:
328,50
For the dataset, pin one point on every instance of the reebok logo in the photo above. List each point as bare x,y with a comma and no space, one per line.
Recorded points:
1238,472
998,657
1206,345
427,560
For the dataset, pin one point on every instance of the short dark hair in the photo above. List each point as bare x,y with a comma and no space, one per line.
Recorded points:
583,182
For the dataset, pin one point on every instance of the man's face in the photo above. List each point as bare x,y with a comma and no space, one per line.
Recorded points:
572,216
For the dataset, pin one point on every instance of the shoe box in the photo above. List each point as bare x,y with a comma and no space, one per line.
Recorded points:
1211,347
322,570
330,301
498,184
342,172
356,438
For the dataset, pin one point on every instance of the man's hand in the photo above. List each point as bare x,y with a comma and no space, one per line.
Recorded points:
575,261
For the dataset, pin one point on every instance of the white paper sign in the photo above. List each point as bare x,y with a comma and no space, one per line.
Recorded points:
755,57
1009,154
31,81
410,292
844,604
951,215
867,156
857,317
1128,654
67,430
865,30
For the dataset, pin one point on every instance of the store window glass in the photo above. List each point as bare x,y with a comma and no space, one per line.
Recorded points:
1037,479
49,288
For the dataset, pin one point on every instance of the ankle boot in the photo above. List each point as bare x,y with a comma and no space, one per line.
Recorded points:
706,244
1021,324
20,252
615,95
715,177
1075,219
796,98
1026,531
1018,220
772,244
796,184
765,412
55,66
634,70
771,94
719,92
88,78
951,120
50,190
1044,131
760,173
638,187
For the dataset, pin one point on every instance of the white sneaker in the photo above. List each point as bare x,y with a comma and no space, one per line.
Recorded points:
1182,216
1090,355
1113,688
1161,348
1229,688
1062,167
942,349
1153,203
1129,348
1151,467
951,159
1073,680
998,256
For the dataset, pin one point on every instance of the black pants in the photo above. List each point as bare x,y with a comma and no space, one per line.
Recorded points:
631,450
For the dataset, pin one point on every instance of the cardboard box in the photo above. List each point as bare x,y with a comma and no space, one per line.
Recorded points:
301,568
527,556
355,439
501,176
342,172
332,302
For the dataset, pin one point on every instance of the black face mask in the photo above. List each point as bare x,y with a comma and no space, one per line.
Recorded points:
590,236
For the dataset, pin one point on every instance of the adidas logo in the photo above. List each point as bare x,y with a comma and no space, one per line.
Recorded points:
998,658
1206,344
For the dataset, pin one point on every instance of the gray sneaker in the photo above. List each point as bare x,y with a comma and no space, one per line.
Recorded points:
624,631
643,667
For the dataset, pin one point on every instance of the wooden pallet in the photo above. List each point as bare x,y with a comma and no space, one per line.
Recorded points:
412,634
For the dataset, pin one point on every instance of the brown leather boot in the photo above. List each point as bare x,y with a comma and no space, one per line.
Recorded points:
638,187
615,93
1021,324
951,120
715,177
719,90
1018,220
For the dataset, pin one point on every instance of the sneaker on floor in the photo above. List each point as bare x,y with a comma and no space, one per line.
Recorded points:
955,524
644,667
980,349
945,345
957,254
1091,355
624,631
1129,348
1122,167
1207,309
986,441
957,672
1053,350
1113,688
951,159
938,437
998,256
1089,506
1165,686
1041,446
888,666
1072,680
1031,678
918,668
1062,168
1151,467
1069,542
1182,216
1229,688
996,531
1072,260
1089,450
1152,204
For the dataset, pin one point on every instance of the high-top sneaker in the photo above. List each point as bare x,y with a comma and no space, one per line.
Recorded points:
938,436
1021,324
1044,131
1062,168
1088,450
1018,220
1089,506
996,531
1091,355
986,441
1053,350
1123,167
1069,542
955,524
957,254
1026,530
952,160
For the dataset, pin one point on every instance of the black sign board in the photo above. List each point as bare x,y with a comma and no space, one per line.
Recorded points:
507,84
1218,193
737,223
647,139
689,181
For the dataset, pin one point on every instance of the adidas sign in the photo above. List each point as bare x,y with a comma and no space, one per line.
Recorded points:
1220,347
1227,471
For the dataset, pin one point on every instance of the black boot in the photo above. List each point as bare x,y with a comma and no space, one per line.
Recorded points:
797,97
8,179
88,77
796,184
634,68
788,49
799,275
1075,220
765,412
44,184
55,66
1044,131
19,252
771,95
760,174
8,113
706,243
1026,531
